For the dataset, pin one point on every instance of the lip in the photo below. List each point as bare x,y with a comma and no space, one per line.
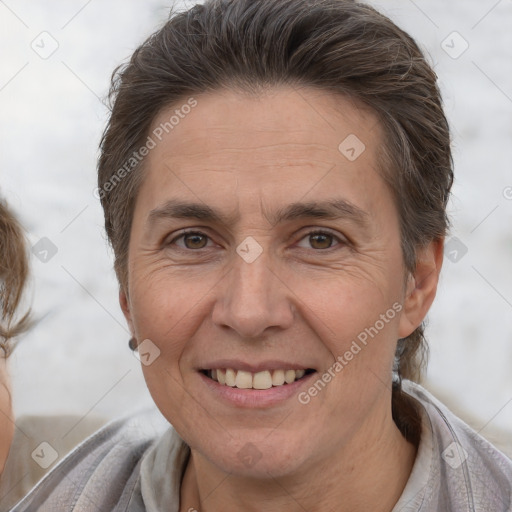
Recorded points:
237,364
255,398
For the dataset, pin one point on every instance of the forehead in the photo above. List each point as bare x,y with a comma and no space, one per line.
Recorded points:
249,121
286,141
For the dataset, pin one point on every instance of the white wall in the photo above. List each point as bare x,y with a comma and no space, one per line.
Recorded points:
77,360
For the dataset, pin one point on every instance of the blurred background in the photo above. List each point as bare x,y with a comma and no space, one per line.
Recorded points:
57,59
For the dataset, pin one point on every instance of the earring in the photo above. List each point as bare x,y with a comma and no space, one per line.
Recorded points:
132,343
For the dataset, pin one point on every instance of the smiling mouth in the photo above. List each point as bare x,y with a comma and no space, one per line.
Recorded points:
265,379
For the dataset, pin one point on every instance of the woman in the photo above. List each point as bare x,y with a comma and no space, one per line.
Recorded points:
24,459
13,276
274,177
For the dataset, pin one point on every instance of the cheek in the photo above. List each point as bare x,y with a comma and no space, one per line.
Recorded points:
154,298
165,311
6,419
343,303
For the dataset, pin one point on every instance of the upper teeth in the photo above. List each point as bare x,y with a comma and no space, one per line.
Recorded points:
260,380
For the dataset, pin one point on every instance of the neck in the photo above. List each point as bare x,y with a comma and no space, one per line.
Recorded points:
368,474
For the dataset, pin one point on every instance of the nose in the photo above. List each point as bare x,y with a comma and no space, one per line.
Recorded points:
253,298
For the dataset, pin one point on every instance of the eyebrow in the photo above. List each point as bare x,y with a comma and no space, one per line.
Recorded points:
330,210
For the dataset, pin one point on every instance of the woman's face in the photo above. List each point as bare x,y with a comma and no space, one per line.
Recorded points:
6,419
294,263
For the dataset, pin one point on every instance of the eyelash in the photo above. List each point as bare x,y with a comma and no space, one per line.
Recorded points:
340,241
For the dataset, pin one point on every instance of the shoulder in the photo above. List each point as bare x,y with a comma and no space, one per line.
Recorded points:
462,471
100,470
39,443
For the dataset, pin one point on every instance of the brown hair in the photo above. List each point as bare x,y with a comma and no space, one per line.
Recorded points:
339,46
13,277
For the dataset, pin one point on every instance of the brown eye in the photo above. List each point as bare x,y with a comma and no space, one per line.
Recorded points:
321,240
194,240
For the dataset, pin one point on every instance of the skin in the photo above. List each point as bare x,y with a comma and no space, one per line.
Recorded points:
303,300
6,415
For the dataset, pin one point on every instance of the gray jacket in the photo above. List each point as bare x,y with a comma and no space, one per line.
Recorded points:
136,465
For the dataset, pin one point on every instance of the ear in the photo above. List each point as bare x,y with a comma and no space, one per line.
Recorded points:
124,302
421,287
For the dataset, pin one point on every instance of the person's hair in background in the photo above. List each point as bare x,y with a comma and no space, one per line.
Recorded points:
13,278
310,44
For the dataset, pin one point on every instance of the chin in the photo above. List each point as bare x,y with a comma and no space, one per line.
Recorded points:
253,459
